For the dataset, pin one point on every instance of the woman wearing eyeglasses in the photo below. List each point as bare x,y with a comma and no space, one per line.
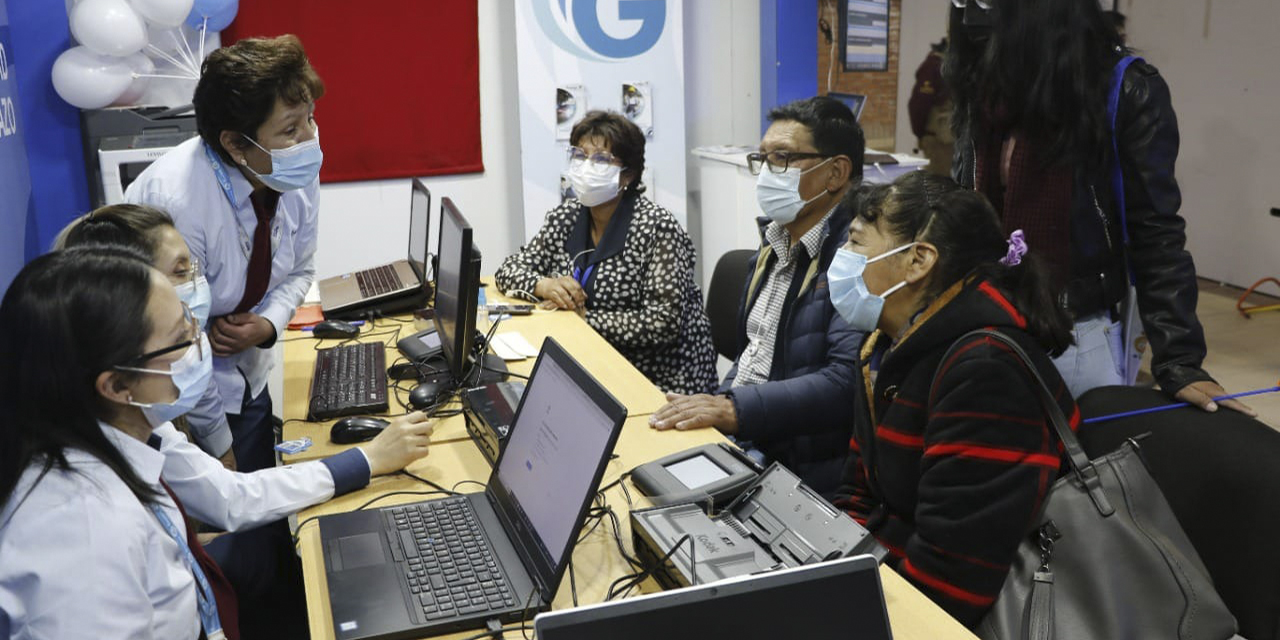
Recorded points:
97,356
622,261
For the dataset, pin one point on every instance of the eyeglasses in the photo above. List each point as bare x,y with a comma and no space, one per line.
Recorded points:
193,337
985,5
778,161
193,271
600,159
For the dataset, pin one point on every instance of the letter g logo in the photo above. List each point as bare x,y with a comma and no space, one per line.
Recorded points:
581,18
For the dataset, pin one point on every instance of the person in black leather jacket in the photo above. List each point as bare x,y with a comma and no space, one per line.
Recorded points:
1033,134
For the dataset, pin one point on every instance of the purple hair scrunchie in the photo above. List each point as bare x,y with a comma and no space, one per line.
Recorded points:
1017,249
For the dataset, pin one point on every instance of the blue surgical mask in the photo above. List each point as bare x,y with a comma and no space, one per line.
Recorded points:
859,307
779,193
198,297
291,167
191,375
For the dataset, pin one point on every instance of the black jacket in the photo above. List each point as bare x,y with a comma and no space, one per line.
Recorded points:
803,415
1165,274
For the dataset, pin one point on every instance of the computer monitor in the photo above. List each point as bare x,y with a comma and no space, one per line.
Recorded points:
457,289
419,231
855,102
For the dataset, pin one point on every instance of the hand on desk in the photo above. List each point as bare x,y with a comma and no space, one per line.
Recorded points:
696,412
406,439
560,293
234,333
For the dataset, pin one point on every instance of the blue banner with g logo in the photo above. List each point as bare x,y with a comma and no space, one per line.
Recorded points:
574,26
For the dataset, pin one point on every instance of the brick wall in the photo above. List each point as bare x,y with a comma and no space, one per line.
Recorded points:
879,118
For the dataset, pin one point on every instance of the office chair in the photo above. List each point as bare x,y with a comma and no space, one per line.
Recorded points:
1221,475
724,300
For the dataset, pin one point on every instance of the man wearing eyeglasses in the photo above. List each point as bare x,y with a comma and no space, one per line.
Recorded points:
789,394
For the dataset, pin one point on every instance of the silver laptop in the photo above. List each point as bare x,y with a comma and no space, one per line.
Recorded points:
837,599
383,285
426,568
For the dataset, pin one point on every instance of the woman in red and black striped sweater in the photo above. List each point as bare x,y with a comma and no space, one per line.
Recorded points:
950,461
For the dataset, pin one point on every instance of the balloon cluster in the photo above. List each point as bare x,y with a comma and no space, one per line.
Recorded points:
121,42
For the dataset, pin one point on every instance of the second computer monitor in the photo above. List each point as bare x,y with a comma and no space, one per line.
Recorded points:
457,289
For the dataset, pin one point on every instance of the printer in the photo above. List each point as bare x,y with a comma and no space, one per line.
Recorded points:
119,143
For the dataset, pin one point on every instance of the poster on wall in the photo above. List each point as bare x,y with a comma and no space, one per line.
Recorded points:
865,25
15,177
626,56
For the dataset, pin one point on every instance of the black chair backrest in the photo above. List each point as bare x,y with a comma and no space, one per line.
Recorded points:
724,300
1220,473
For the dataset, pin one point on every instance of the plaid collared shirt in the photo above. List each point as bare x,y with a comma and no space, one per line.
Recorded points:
766,314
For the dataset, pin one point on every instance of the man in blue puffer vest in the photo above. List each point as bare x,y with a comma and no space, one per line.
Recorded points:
791,389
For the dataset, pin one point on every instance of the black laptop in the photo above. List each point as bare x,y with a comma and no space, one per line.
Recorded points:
837,599
454,563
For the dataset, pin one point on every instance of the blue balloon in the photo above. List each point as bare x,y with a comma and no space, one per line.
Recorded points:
219,12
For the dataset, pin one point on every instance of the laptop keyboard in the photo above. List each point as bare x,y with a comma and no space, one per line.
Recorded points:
375,282
449,564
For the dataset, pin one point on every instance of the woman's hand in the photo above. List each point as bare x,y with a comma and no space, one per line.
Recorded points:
560,293
406,439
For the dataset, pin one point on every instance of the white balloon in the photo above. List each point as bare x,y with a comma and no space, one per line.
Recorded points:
163,13
140,66
108,27
88,80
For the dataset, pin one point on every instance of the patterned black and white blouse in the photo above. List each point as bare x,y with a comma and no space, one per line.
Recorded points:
641,295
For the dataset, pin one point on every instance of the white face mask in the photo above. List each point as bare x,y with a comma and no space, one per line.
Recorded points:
595,183
191,374
779,193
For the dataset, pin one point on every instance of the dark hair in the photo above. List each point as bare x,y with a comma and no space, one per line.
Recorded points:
239,86
832,124
1115,18
964,227
67,317
626,141
1045,70
120,225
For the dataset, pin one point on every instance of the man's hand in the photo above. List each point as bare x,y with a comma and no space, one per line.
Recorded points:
406,439
560,293
228,459
1201,394
696,412
239,331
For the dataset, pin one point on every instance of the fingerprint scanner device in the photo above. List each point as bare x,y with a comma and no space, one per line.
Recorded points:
421,346
711,475
776,522
489,411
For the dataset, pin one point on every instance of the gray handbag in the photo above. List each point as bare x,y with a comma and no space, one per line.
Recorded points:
1108,559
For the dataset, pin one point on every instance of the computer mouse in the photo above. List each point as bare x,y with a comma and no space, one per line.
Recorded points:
356,429
427,394
335,329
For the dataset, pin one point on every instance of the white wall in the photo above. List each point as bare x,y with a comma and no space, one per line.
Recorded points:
722,89
922,24
1220,61
365,223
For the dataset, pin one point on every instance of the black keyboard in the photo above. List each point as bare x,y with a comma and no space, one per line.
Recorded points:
449,565
375,282
347,380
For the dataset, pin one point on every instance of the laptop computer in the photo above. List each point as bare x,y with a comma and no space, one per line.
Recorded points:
387,288
395,572
838,599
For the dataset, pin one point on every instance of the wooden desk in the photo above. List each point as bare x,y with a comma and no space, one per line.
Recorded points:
454,458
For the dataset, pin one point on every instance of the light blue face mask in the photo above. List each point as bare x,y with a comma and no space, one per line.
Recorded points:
198,297
859,307
779,193
191,375
291,167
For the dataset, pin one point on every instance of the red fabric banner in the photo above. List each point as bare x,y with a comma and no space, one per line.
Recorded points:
402,81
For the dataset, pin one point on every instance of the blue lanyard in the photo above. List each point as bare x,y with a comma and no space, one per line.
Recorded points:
582,275
224,181
204,593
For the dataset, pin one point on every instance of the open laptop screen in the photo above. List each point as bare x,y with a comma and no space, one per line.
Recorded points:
419,227
838,599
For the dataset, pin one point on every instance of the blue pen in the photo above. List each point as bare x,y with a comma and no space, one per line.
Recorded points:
1177,405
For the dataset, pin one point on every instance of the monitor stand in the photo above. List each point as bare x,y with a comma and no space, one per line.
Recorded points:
494,369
